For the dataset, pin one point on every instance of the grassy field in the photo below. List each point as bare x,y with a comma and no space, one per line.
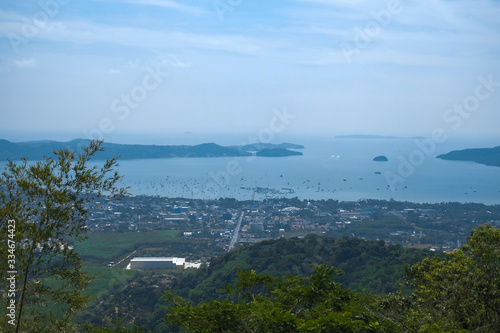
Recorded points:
107,278
100,248
105,247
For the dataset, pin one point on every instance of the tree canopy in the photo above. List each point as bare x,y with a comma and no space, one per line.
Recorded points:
292,304
457,293
43,210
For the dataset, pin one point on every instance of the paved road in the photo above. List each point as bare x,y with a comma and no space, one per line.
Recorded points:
236,234
124,258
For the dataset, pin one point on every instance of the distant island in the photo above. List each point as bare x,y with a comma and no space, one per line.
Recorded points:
363,136
36,150
277,152
380,158
259,146
486,156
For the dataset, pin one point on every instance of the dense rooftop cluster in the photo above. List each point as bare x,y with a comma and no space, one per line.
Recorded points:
434,226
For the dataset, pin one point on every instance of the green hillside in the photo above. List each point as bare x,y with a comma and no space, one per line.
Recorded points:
297,285
367,265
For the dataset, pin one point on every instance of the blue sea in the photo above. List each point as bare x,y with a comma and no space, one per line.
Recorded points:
339,168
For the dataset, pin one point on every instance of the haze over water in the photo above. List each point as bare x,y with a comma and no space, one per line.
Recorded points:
339,168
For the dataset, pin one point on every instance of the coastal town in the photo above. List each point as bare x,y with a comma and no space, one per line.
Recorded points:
228,223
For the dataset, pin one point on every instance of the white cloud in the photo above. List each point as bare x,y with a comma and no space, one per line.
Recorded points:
10,16
84,33
192,10
343,3
264,54
25,63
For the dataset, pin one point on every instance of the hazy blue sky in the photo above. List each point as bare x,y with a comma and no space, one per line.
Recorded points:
82,68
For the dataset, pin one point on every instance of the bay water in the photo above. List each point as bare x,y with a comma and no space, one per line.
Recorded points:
339,168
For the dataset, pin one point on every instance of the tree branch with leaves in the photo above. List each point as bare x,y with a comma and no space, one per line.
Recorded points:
49,200
291,304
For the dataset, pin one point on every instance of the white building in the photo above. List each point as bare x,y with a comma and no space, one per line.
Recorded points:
156,262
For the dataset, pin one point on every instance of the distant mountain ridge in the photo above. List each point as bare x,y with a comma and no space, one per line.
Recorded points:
486,156
365,136
259,146
36,150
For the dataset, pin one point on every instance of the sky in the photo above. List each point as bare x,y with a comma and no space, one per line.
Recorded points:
164,71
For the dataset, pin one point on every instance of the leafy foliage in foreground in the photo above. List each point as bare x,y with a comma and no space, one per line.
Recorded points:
368,265
43,205
291,304
458,293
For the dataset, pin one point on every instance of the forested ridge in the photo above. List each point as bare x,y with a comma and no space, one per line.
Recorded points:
318,284
367,265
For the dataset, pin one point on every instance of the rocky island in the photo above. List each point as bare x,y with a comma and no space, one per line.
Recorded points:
380,158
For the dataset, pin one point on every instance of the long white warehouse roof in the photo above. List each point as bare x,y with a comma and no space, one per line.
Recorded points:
175,260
